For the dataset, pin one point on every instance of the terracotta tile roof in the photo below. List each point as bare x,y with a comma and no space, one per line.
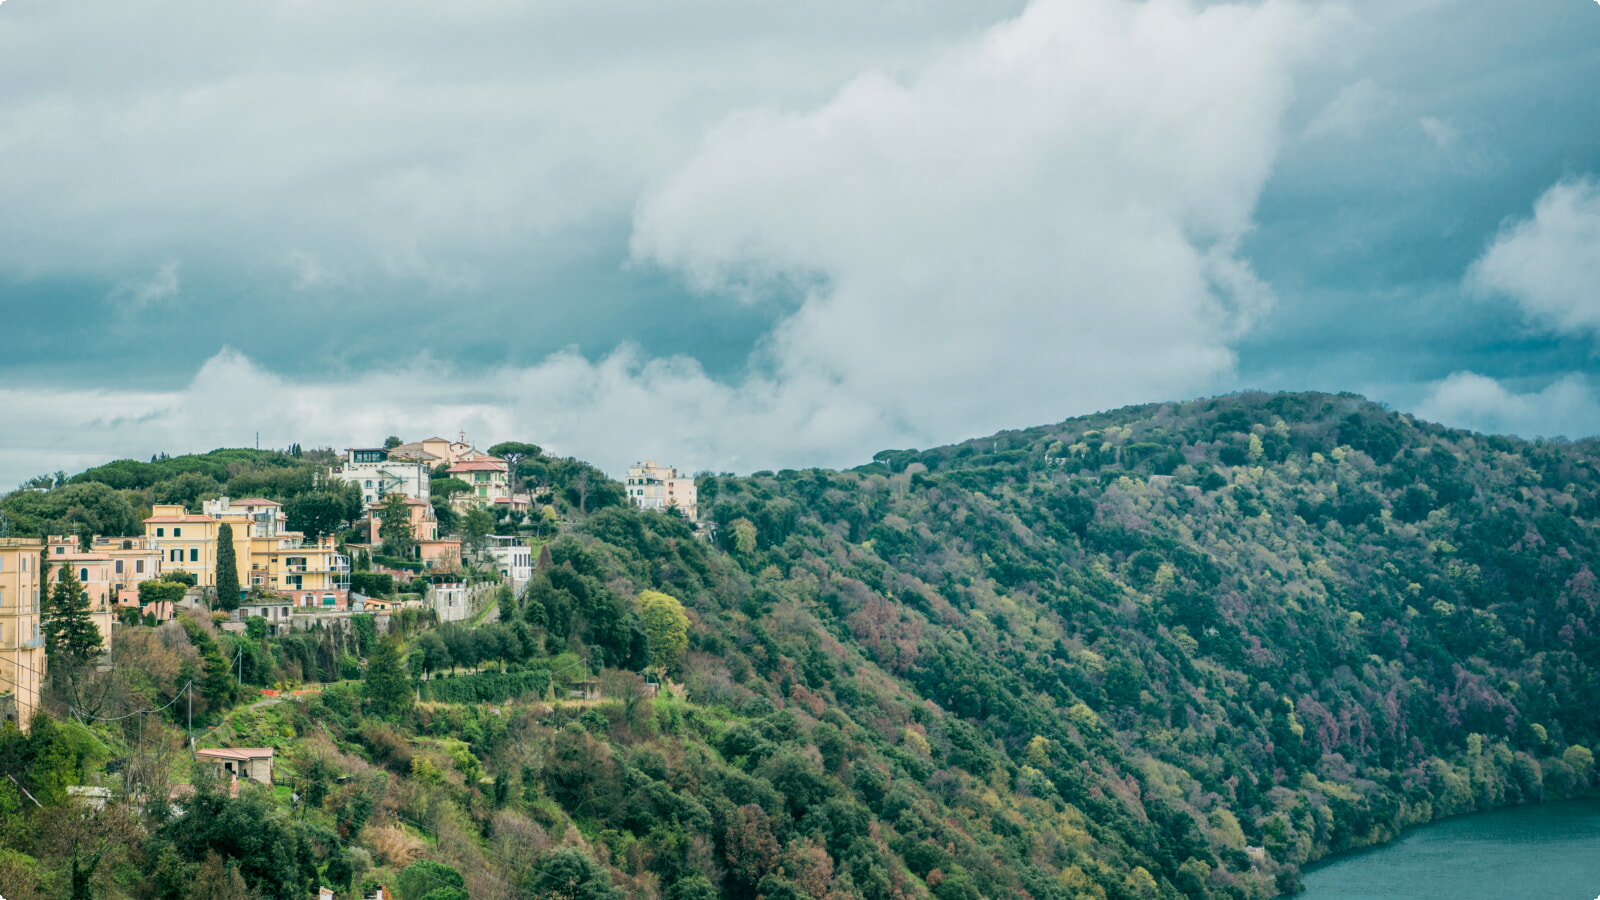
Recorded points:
486,464
254,501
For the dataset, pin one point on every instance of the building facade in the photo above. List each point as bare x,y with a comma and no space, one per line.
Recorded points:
513,559
269,557
22,660
94,568
185,541
654,486
379,472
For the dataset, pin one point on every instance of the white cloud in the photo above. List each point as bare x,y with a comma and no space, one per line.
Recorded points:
1550,264
1568,407
408,138
1039,222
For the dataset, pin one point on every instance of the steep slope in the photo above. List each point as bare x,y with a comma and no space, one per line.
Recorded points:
1294,622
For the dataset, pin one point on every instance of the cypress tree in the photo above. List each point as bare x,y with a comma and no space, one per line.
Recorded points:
70,635
387,687
227,569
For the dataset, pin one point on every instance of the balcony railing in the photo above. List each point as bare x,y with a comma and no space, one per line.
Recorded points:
31,643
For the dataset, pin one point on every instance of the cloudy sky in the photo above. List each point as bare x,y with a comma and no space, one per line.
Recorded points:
741,234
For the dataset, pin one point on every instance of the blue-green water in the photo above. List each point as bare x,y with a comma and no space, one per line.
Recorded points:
1547,852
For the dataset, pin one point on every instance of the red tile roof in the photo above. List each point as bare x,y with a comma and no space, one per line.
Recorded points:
486,464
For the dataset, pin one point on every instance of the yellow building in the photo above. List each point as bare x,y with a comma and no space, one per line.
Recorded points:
269,556
184,541
22,660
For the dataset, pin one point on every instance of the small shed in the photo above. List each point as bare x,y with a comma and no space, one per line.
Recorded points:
254,763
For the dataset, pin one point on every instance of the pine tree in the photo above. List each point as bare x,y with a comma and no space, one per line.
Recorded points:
227,569
387,688
70,636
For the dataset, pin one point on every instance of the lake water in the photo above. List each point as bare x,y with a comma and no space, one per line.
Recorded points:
1546,852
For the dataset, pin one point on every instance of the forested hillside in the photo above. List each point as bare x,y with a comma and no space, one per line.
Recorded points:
1177,650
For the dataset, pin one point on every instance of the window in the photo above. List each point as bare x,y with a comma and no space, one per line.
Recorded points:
119,567
60,550
194,554
127,545
369,484
177,532
175,556
138,566
161,532
83,574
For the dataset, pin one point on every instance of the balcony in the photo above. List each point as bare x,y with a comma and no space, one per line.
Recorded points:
32,643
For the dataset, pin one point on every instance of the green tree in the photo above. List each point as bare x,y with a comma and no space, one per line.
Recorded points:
567,874
391,442
387,688
227,569
514,452
476,526
667,627
425,876
445,514
154,591
316,514
449,487
70,635
394,527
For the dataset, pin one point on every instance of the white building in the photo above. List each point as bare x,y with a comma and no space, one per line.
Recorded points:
512,558
654,486
372,469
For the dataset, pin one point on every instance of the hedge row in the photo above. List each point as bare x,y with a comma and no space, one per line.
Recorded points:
486,687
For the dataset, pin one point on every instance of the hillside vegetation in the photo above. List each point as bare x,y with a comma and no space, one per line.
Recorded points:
1177,650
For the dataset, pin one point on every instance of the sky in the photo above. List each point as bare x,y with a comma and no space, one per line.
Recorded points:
735,235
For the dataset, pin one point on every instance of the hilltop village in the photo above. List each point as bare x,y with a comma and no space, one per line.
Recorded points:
449,524
1172,651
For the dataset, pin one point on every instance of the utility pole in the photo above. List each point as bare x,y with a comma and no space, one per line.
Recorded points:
191,715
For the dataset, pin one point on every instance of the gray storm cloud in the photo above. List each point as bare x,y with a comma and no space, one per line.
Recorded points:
1036,222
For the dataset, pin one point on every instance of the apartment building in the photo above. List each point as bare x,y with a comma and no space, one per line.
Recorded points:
96,569
378,472
22,660
651,485
270,558
184,541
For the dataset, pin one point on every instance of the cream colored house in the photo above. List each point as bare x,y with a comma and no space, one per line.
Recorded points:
651,485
